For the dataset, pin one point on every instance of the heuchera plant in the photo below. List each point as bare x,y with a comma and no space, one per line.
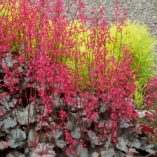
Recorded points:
46,101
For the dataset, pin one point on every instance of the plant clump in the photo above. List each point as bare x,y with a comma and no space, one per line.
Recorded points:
64,91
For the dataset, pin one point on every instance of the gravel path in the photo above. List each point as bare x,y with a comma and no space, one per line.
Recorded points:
142,10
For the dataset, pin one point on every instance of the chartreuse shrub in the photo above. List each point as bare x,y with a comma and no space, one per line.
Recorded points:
3,10
137,39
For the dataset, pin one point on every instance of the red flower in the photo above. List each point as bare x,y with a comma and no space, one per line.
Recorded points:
147,129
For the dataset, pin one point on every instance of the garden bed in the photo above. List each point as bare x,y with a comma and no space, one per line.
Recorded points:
75,85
